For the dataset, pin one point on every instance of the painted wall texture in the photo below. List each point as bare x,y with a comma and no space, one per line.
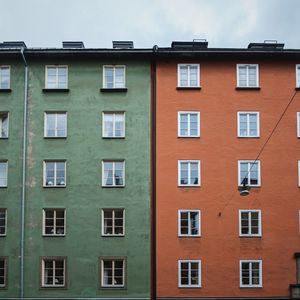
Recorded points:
220,248
83,197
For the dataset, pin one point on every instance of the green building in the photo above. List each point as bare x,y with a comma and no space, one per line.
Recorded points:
80,226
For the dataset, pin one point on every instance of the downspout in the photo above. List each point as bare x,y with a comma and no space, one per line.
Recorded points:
153,171
23,194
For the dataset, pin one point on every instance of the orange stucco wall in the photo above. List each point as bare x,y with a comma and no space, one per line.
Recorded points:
220,248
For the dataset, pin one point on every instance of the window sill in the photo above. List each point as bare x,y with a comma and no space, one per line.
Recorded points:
297,88
189,236
254,88
54,235
113,288
5,90
113,138
188,137
251,287
113,90
113,186
112,235
55,90
248,137
54,186
55,137
190,287
188,88
189,186
3,187
3,138
250,186
250,236
53,288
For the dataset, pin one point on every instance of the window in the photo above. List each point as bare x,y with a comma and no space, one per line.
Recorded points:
247,76
114,77
55,124
56,77
298,173
248,124
54,272
113,125
3,173
189,75
189,223
54,222
250,273
3,124
249,172
298,124
250,223
4,77
298,76
54,173
189,172
3,272
188,124
112,272
189,273
2,221
113,222
113,173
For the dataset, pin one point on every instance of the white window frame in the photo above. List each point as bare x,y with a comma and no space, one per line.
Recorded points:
297,75
46,113
44,173
248,113
53,259
189,222
299,173
114,162
189,84
258,170
189,169
199,274
56,76
298,124
250,211
2,113
189,123
5,259
114,124
113,221
54,221
112,259
5,221
114,82
2,67
6,178
238,75
250,285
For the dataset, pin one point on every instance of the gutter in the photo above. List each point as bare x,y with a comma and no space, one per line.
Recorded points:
23,194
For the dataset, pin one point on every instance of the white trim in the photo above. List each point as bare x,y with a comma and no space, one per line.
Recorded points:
189,123
113,285
298,124
5,66
297,75
299,221
198,75
259,234
53,260
113,161
54,221
5,225
199,172
56,75
6,169
258,172
299,173
44,173
250,279
5,137
46,113
247,74
199,274
248,113
189,222
114,124
113,223
114,74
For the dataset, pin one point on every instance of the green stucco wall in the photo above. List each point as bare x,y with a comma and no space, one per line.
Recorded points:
83,197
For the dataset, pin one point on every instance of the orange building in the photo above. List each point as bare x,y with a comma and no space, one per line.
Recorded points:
227,120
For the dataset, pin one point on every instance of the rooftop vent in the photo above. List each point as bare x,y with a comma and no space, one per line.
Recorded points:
73,45
123,44
195,44
266,45
13,44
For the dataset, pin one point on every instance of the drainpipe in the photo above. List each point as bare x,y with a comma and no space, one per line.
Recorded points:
23,194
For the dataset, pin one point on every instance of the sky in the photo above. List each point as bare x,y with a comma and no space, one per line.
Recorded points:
223,23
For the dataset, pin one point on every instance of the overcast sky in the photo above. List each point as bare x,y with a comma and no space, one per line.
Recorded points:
224,23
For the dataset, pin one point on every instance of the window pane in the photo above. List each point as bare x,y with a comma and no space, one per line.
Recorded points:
109,77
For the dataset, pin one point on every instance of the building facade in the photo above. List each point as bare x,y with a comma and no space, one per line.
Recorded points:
227,118
87,195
